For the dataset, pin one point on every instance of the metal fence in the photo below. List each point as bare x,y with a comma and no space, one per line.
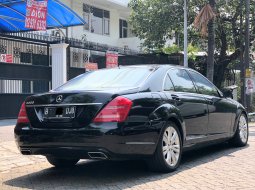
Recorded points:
29,72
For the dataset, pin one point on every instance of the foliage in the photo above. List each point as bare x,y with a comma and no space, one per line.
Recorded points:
172,49
192,50
156,21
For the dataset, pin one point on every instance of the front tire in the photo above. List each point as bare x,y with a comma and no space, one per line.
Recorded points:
241,136
167,156
60,162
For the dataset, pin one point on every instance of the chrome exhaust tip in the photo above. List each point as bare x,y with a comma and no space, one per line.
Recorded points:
97,155
25,151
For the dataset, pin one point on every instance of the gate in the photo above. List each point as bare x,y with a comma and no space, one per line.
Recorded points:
29,72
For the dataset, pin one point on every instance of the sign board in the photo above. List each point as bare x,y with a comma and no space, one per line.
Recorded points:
248,73
249,83
111,59
36,14
6,58
91,66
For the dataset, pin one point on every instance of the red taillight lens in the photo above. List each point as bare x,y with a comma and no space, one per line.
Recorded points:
116,111
22,118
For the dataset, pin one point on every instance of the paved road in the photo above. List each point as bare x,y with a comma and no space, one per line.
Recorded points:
217,167
6,130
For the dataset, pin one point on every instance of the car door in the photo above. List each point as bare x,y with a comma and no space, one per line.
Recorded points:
219,108
192,105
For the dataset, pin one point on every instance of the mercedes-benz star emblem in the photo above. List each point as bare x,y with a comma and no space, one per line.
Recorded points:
59,98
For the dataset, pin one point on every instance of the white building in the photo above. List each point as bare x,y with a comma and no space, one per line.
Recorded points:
107,22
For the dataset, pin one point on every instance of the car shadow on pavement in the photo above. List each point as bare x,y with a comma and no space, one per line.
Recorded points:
120,174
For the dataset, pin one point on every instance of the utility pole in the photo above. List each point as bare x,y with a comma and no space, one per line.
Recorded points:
247,46
211,44
242,65
185,34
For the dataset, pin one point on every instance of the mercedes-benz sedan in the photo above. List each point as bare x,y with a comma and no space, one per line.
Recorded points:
130,112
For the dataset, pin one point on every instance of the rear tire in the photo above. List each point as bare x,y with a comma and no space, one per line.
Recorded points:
167,156
60,162
241,136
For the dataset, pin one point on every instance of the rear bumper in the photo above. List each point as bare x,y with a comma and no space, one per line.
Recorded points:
111,141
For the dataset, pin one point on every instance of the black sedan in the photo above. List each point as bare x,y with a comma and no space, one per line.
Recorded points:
131,112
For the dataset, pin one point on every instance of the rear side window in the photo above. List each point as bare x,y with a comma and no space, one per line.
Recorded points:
168,85
181,80
204,86
124,77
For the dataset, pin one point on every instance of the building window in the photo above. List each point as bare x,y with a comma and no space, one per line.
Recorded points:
123,28
98,20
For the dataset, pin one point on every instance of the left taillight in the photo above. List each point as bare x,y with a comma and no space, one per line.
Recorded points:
115,111
22,118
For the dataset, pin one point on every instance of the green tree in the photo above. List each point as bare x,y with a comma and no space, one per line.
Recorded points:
155,21
192,50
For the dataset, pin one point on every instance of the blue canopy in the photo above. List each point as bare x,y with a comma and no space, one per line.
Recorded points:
13,15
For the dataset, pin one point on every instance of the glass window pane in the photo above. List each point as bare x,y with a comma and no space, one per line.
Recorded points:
123,28
86,8
97,12
181,80
97,25
204,86
108,78
125,23
106,14
99,19
168,86
106,26
125,31
120,27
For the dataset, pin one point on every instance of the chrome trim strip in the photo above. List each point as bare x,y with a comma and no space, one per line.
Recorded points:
139,143
59,105
97,157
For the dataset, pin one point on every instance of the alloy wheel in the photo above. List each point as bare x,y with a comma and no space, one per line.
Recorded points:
171,146
243,129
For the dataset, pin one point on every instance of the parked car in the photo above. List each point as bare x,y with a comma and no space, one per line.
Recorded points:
150,112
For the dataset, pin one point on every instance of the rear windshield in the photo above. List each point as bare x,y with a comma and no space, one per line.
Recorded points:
108,78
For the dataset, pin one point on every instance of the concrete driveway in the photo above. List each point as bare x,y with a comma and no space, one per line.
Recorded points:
216,167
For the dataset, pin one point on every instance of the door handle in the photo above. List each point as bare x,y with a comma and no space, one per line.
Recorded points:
210,101
175,97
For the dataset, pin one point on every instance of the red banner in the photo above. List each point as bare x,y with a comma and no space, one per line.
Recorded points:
91,66
36,14
6,58
111,60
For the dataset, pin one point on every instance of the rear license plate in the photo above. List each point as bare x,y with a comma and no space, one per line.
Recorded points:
59,112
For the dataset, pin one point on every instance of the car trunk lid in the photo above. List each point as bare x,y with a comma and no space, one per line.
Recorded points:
68,109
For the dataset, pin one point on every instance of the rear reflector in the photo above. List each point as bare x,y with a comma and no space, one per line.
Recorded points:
116,111
22,118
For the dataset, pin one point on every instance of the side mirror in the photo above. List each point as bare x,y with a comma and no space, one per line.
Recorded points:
227,93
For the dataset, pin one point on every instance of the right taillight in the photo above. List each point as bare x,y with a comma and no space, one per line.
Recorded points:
22,118
116,111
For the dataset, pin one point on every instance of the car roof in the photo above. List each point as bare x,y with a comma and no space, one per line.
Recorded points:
154,66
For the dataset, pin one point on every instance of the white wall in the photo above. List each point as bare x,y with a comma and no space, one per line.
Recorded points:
120,2
133,43
117,10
